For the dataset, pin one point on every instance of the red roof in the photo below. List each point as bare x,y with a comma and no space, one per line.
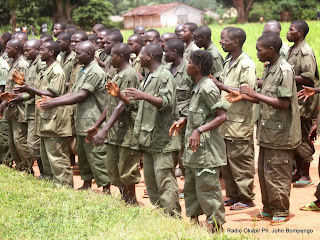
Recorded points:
151,10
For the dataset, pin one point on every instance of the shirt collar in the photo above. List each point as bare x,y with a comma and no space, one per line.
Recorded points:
198,84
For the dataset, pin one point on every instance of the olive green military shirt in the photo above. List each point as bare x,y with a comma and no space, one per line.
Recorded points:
240,115
151,127
90,78
136,64
191,48
4,69
101,54
304,63
184,86
66,63
217,66
7,59
121,132
284,50
55,122
16,112
202,109
74,71
279,128
34,70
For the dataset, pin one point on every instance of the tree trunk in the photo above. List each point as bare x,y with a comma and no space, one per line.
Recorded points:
243,8
13,20
62,10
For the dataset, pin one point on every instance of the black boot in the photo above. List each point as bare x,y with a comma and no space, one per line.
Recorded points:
130,196
106,189
86,185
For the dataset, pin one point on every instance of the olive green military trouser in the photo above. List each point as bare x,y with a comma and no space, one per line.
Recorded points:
34,145
92,162
306,149
238,174
122,166
202,194
55,159
162,186
19,147
317,193
178,154
5,155
275,174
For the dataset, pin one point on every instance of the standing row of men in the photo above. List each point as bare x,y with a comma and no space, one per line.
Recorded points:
156,85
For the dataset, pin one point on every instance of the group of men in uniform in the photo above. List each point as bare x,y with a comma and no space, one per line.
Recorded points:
160,95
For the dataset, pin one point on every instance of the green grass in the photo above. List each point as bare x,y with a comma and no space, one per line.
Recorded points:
35,209
254,31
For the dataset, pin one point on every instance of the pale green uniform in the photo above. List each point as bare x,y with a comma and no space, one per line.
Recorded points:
189,49
18,127
66,63
136,64
237,131
33,140
54,127
304,64
202,191
5,156
92,160
217,65
278,133
151,136
122,166
284,50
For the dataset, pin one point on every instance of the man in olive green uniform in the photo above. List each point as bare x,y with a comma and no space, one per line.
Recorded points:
54,126
184,84
278,131
204,146
122,166
238,174
135,43
5,156
202,38
18,127
100,54
187,38
88,94
303,61
156,112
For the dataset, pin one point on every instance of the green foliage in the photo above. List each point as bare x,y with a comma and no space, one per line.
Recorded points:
95,11
265,9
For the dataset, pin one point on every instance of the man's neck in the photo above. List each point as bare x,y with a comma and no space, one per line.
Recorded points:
298,42
50,61
153,66
123,66
176,62
235,54
207,45
17,56
274,59
188,42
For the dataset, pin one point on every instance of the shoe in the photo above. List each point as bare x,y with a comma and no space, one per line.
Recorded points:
278,221
229,202
262,216
86,185
217,229
302,184
241,206
42,177
178,172
310,207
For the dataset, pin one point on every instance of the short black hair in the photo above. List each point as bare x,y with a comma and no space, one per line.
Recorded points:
53,46
176,44
115,30
82,34
204,31
302,25
156,32
1,45
138,38
66,36
122,48
191,26
204,59
16,43
22,34
155,49
271,39
237,33
275,22
99,26
115,36
92,37
47,37
62,24
137,28
71,29
6,36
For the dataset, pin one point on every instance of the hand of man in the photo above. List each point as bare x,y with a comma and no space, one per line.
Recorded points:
18,78
305,93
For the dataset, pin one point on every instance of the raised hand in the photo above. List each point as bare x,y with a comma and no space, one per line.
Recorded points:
305,93
113,89
18,78
233,96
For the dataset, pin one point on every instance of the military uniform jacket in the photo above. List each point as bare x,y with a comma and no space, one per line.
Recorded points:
217,65
284,50
191,48
7,59
55,122
91,78
240,115
66,63
16,112
4,69
136,64
151,127
184,86
304,63
121,132
34,70
279,128
202,109
101,54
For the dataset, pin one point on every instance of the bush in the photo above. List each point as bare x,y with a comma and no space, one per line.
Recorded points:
263,9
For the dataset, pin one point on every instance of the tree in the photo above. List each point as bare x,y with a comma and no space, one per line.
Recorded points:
243,7
95,11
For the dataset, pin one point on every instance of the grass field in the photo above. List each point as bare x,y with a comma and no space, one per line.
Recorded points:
254,31
35,209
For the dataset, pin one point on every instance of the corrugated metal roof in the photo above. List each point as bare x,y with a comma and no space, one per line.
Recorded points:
153,9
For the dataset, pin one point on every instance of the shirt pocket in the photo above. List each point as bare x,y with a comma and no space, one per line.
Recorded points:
147,125
48,123
196,116
183,93
272,132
